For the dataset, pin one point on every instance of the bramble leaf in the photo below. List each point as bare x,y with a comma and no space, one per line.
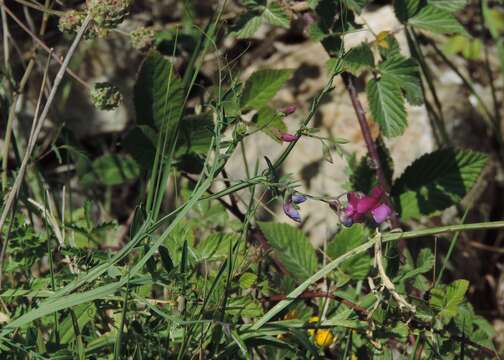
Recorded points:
358,58
262,86
159,96
404,72
437,20
386,103
270,122
276,15
436,181
247,25
448,5
292,248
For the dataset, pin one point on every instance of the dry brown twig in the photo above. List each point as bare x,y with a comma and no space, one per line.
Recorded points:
39,121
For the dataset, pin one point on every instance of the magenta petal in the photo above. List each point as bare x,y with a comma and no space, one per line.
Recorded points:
353,200
377,192
366,204
381,213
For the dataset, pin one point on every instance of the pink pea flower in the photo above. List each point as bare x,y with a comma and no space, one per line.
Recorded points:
359,206
286,137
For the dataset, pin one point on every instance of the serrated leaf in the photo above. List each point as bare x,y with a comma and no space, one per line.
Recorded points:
195,135
262,86
464,320
346,240
405,9
355,5
159,95
292,248
449,5
247,280
437,20
358,58
387,105
270,122
446,301
276,15
436,181
404,71
425,263
247,25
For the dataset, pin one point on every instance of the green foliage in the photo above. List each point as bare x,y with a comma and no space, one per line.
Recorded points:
112,169
348,239
387,105
404,71
447,300
437,20
436,181
257,14
358,58
270,122
261,87
159,95
292,248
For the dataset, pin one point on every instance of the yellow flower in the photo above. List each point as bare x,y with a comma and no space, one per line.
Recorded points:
381,39
354,357
322,337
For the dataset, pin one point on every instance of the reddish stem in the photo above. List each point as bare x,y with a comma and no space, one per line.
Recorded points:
348,79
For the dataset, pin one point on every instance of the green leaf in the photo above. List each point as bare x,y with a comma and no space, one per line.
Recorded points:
247,25
464,320
292,248
112,169
247,280
437,20
215,247
141,145
276,15
358,58
405,9
436,181
165,258
270,122
404,72
387,105
84,314
448,5
158,95
262,86
355,5
446,300
346,240
196,132
425,263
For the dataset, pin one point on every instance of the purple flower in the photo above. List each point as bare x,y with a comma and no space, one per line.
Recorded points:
359,206
289,110
291,212
298,198
286,137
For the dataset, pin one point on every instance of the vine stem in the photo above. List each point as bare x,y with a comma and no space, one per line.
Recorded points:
348,79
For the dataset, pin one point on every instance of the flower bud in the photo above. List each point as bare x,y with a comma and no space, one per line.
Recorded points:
108,13
142,38
289,110
291,212
298,198
286,137
105,96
